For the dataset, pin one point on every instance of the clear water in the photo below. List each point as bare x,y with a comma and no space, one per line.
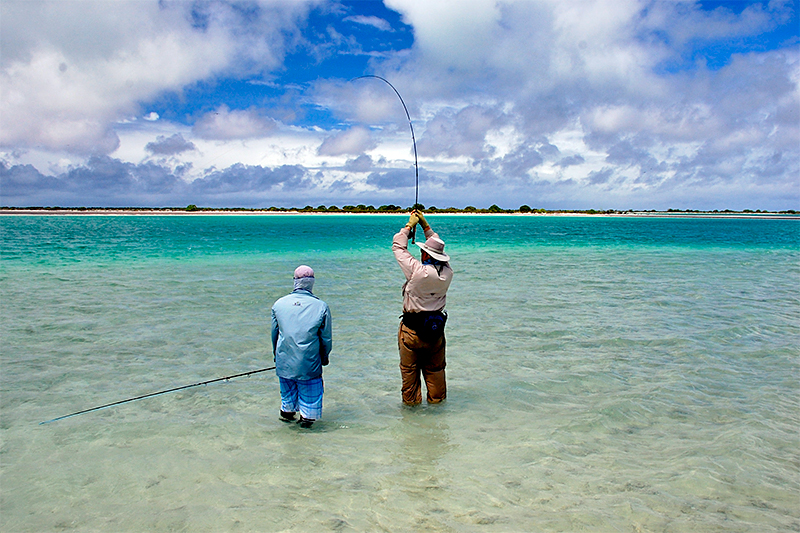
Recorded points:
604,374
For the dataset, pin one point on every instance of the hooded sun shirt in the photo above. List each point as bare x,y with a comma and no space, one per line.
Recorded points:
306,284
301,334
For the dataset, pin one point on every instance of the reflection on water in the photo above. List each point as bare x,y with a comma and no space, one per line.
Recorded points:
423,440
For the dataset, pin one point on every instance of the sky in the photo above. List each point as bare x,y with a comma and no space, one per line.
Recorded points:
554,104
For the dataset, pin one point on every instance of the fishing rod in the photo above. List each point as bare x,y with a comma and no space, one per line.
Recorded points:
413,140
226,378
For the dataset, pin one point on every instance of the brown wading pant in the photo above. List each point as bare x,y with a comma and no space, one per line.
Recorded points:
428,357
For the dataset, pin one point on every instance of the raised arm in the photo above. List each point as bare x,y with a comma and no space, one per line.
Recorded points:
408,263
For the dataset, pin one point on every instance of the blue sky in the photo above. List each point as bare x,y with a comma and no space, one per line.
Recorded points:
571,104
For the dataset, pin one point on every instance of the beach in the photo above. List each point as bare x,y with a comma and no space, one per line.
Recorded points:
218,212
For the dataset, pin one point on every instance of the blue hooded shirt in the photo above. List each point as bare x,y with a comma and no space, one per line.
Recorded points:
301,335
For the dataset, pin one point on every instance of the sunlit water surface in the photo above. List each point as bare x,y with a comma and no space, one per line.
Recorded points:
604,375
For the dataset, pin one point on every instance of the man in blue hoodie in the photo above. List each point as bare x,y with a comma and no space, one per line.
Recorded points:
301,342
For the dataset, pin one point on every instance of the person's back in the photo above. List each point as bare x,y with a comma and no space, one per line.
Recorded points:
301,320
421,340
301,342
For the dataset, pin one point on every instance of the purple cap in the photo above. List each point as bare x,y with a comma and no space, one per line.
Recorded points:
303,271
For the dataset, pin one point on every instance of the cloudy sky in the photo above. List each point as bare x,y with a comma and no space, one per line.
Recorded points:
572,104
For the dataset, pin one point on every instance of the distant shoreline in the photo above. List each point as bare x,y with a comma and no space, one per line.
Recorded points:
54,211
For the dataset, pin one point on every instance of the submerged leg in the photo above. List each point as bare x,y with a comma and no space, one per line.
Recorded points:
310,393
289,396
409,371
433,370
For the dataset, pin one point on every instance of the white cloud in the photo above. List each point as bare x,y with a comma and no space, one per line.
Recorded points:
362,163
462,133
70,70
453,33
375,22
174,144
599,62
354,141
224,124
512,100
689,22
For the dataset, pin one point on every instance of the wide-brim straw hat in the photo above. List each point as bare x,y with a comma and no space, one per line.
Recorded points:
435,248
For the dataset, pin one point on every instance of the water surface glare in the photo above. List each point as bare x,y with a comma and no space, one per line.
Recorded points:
604,374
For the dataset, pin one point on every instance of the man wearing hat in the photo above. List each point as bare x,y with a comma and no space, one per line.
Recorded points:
421,336
301,342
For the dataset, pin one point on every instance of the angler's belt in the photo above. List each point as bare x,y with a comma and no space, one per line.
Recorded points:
427,324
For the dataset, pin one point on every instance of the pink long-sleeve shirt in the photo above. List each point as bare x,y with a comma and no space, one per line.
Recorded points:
425,288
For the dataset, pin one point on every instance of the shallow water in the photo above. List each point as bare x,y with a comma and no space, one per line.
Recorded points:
604,374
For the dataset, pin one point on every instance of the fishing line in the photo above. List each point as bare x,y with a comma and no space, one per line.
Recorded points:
413,140
226,378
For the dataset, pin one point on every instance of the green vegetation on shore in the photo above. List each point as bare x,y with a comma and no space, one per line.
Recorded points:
390,208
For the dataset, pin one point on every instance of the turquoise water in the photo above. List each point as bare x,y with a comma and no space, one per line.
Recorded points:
605,374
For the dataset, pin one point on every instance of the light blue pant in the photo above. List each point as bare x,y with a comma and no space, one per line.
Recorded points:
305,396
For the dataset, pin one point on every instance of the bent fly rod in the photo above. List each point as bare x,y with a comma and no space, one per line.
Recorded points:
225,378
413,141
